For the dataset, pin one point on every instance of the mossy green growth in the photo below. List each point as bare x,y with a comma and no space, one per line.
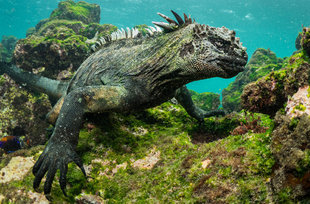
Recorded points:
284,196
53,25
206,101
263,57
304,164
154,157
112,151
62,35
297,59
263,71
81,10
300,107
90,30
2,80
293,123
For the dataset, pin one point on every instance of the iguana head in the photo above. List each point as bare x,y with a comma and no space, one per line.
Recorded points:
206,51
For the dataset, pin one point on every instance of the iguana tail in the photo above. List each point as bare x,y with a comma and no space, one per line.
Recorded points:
53,88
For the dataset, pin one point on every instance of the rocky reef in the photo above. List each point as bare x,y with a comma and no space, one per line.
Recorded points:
58,45
262,62
285,94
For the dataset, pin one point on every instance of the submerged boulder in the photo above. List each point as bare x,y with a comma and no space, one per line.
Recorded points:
7,46
21,113
80,11
291,149
58,45
268,94
262,62
305,40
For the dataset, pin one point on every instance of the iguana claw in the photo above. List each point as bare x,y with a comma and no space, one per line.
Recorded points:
55,156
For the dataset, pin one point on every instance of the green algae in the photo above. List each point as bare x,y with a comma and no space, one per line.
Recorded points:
54,24
304,164
206,101
175,146
103,30
80,11
238,170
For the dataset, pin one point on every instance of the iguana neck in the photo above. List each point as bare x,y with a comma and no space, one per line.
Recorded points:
164,70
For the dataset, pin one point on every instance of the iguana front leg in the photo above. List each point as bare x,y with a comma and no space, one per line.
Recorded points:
184,98
60,149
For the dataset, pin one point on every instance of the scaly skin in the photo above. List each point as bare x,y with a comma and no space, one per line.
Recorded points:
133,74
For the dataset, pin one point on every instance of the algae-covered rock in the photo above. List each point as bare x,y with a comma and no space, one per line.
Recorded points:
153,157
206,101
60,43
7,46
298,41
21,113
268,94
299,103
305,40
262,62
80,11
291,149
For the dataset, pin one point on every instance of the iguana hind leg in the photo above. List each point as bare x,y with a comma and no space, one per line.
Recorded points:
60,149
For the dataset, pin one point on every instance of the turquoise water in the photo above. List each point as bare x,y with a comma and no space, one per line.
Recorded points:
270,24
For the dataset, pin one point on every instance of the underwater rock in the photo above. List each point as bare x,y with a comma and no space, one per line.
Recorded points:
305,40
291,149
262,62
299,103
268,94
89,199
298,42
149,161
60,43
17,168
21,113
7,46
80,11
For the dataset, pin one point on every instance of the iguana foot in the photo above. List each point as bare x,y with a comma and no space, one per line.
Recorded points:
56,155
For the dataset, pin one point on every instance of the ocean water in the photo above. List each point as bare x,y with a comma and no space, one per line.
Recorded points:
270,24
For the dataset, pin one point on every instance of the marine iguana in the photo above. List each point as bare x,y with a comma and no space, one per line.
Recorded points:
129,73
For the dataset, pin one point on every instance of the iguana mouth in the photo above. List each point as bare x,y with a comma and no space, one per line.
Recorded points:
232,65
